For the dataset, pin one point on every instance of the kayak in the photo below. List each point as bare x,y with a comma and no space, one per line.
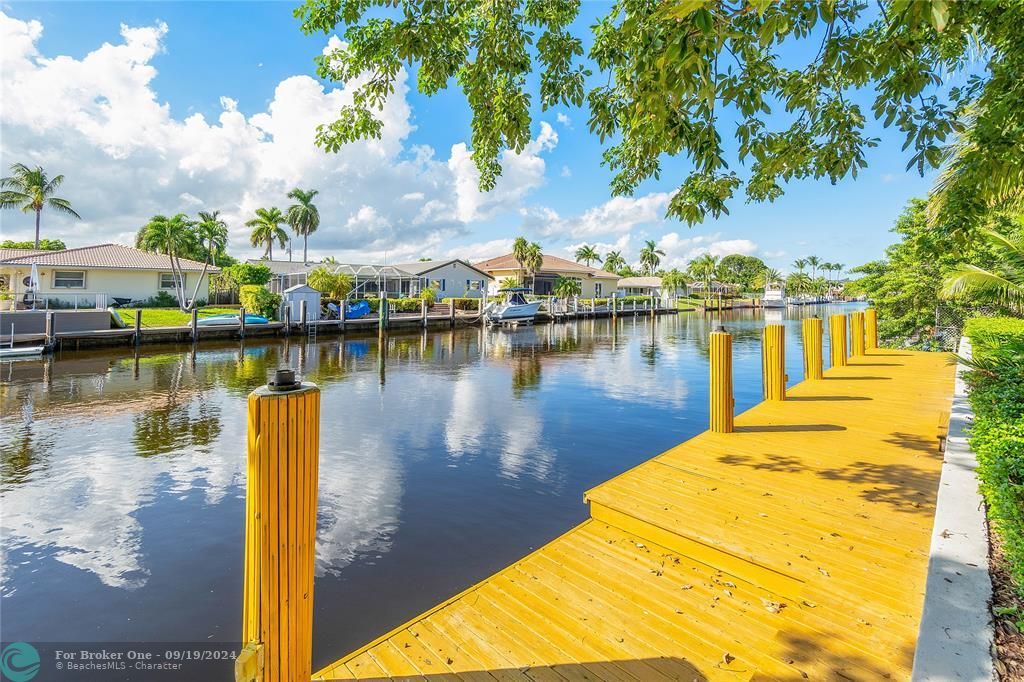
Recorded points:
230,319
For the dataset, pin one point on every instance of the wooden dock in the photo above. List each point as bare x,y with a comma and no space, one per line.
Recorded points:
794,548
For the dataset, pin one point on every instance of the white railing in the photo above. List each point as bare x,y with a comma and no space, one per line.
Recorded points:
77,301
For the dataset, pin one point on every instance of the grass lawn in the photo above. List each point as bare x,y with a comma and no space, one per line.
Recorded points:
170,317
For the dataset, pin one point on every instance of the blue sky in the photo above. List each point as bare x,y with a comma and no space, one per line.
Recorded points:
199,105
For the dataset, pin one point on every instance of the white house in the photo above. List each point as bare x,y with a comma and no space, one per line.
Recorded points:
95,276
594,283
648,286
453,278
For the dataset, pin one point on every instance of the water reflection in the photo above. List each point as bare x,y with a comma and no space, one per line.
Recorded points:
443,456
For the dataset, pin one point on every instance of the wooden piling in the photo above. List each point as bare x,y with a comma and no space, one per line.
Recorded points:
280,531
288,319
722,407
138,326
857,334
382,314
423,311
194,325
837,340
611,299
773,362
241,323
812,334
49,331
871,329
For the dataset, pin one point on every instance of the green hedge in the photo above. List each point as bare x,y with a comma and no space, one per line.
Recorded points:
395,305
464,303
990,332
997,434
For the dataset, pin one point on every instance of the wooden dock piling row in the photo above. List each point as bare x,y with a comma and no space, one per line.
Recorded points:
791,545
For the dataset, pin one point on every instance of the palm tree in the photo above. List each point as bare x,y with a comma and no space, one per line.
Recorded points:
174,237
800,264
567,286
587,254
30,190
534,261
814,262
335,285
649,256
303,217
1002,284
613,261
508,283
703,269
267,229
766,277
212,232
672,281
799,283
520,249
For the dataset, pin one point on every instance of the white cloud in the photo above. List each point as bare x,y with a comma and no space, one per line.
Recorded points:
681,250
99,120
521,173
566,172
618,215
563,119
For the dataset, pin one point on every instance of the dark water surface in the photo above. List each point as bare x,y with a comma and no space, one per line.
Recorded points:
443,458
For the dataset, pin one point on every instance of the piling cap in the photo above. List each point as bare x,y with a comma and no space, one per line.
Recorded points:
284,380
719,328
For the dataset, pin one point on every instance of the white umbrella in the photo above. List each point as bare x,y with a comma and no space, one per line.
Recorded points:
33,283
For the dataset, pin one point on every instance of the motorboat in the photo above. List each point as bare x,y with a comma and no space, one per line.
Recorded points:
515,307
774,296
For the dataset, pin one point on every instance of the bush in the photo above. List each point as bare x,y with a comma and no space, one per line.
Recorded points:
259,300
468,303
428,295
996,381
990,332
245,274
161,300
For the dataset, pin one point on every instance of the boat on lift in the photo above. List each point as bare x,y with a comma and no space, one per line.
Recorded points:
515,307
774,296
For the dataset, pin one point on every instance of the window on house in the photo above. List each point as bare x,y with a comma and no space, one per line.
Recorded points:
69,279
166,280
597,289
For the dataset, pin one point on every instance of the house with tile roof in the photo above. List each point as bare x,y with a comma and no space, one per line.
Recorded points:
595,283
96,276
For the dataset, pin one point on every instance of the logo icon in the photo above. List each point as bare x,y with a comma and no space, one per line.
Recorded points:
19,662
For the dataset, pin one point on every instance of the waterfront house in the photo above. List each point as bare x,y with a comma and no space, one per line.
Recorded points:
94,276
453,278
648,286
449,278
594,283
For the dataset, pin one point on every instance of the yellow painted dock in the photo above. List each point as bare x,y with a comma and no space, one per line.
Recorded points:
794,548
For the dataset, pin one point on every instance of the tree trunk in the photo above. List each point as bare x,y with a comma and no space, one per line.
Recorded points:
305,245
39,212
270,250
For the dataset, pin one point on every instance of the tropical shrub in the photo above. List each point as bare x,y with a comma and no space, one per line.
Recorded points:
468,303
429,295
996,380
334,285
989,332
246,273
259,300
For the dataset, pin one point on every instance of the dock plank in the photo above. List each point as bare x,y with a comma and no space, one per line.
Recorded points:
794,548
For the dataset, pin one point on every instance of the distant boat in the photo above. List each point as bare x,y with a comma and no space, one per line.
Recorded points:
515,307
230,319
774,296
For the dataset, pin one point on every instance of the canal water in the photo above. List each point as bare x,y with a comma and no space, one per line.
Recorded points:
444,456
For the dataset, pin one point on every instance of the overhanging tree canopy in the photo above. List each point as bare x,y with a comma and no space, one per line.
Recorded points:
675,76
